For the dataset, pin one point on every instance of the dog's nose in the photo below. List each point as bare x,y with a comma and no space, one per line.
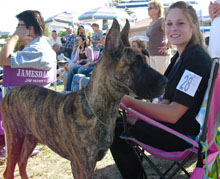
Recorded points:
162,82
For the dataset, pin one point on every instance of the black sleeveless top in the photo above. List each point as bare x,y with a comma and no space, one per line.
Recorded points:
82,56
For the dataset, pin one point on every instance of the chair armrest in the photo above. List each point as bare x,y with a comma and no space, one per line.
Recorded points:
159,125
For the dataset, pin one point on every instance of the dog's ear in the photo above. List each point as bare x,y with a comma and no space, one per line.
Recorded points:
113,43
124,34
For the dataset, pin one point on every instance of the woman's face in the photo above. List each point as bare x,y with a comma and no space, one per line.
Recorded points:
177,28
81,30
80,41
135,45
153,10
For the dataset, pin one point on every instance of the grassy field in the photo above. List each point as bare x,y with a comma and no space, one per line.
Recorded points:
49,165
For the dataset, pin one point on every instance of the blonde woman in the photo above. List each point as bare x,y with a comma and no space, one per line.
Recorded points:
158,46
188,75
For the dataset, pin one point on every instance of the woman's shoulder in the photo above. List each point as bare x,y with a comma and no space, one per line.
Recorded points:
88,48
199,60
161,20
197,52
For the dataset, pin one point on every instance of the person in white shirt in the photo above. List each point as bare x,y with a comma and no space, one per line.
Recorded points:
54,39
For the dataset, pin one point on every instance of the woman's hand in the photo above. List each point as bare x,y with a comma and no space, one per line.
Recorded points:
23,34
67,67
81,61
86,66
214,10
163,50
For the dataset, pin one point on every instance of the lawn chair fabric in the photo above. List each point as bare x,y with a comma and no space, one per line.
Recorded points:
79,81
18,76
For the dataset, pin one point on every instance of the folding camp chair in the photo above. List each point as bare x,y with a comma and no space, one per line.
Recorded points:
208,118
20,76
79,81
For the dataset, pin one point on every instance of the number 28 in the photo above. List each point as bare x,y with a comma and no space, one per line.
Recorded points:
186,84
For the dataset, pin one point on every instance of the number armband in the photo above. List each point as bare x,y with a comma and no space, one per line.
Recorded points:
189,83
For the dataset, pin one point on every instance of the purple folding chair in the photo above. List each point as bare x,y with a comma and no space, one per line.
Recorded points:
208,118
20,76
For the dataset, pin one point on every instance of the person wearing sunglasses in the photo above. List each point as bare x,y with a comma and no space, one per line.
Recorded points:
37,53
158,46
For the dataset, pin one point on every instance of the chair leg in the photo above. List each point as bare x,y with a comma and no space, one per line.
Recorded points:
151,164
184,170
167,171
181,167
140,155
162,175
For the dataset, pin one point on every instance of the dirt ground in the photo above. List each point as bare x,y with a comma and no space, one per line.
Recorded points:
49,165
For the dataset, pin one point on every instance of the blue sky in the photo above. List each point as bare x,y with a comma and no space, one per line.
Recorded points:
9,9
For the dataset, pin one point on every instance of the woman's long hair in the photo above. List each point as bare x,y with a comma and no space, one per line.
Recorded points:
191,16
81,27
83,37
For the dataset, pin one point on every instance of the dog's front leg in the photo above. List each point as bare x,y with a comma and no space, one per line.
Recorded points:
82,170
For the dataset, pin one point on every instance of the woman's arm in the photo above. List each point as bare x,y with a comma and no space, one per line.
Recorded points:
21,33
76,58
167,46
8,50
89,54
166,112
147,60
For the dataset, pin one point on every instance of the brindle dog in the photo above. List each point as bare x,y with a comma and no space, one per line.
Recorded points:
77,126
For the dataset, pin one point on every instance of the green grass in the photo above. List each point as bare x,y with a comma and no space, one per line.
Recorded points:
59,87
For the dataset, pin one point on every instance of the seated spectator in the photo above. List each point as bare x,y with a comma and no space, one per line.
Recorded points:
80,31
56,48
84,55
86,69
70,38
140,46
184,93
54,39
36,54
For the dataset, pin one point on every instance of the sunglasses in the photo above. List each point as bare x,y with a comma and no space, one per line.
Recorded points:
149,8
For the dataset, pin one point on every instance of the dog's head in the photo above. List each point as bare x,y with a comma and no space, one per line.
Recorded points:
127,68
